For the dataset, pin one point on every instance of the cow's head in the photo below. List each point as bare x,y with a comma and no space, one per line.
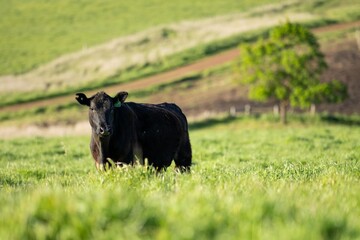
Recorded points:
101,110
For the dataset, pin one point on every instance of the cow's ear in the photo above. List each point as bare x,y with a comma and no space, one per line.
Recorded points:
82,99
120,98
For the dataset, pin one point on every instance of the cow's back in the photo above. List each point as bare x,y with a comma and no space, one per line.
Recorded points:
150,115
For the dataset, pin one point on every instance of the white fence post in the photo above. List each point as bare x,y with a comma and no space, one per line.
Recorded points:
232,111
313,109
276,110
247,109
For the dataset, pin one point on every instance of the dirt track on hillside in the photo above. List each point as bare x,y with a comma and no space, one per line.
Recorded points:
165,77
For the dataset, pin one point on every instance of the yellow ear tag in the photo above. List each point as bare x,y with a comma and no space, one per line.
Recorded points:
117,104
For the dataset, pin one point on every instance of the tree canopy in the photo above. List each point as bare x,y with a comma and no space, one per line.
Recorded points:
286,66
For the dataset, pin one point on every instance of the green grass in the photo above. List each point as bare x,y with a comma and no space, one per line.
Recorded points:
252,179
37,31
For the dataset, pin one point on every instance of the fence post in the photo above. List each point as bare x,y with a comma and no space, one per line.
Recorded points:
276,110
232,111
313,109
247,109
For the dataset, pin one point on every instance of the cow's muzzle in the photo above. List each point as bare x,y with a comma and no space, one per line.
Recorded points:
105,131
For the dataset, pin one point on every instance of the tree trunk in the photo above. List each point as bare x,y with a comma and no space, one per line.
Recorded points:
283,111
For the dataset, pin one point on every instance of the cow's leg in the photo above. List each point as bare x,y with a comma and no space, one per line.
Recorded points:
160,159
160,163
183,156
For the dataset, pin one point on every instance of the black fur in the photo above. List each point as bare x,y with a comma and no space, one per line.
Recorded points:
158,132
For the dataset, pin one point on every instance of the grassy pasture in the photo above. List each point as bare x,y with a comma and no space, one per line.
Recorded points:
252,179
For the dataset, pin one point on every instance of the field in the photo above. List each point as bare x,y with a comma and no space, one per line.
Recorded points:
251,179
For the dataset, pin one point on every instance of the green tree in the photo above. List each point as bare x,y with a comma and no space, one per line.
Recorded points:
286,66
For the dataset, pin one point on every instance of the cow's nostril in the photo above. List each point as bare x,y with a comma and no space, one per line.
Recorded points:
105,131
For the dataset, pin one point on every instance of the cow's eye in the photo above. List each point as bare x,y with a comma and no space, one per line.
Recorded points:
92,109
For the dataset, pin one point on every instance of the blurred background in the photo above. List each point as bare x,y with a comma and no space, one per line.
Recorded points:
173,51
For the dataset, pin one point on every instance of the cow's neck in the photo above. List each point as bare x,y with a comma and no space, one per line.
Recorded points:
122,122
124,131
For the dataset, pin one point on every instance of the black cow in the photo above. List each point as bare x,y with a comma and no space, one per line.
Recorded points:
130,132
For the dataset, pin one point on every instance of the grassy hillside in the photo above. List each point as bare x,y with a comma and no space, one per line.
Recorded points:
251,180
210,90
145,53
127,58
36,31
